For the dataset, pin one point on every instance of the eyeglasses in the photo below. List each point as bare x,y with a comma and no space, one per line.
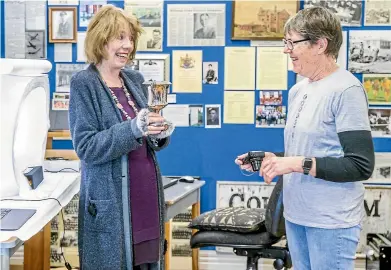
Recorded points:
290,43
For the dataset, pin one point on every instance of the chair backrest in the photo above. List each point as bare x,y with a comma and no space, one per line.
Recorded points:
274,220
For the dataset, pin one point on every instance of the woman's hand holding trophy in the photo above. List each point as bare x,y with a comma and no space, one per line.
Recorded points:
153,124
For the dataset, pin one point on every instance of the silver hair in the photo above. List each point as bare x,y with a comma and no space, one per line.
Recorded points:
316,23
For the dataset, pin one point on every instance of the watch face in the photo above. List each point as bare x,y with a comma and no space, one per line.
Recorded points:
307,163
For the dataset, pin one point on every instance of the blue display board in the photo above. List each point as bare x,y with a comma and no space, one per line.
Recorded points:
209,153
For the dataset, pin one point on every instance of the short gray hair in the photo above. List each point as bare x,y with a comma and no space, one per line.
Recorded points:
316,23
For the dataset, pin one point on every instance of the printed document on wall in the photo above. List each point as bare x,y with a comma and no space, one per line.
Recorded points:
36,15
14,24
178,114
239,68
196,25
239,107
81,56
187,71
272,70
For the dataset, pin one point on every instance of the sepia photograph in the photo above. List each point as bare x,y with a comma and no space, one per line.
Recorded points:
377,13
369,51
378,88
260,19
213,116
64,73
205,25
148,16
380,121
35,44
151,39
155,39
349,12
210,72
62,24
270,97
267,116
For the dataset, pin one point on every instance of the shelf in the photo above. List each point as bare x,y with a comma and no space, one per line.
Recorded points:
59,134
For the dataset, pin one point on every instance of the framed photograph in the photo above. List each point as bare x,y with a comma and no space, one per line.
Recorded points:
377,13
62,24
64,72
382,171
213,116
261,19
210,72
153,66
378,88
35,44
196,115
380,121
369,51
270,97
349,12
268,116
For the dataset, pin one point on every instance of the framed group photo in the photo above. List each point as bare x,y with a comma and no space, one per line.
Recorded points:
62,24
261,19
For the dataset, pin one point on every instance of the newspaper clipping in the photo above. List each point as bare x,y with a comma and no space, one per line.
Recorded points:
150,15
196,25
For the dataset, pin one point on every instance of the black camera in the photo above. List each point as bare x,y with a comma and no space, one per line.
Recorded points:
255,159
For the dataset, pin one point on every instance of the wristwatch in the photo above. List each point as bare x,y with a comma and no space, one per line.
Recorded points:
307,165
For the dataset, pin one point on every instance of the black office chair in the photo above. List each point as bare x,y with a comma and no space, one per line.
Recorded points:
251,232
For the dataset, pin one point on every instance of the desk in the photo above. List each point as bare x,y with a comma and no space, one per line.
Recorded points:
178,197
65,186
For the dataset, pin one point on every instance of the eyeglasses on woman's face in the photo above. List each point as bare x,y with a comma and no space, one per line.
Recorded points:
290,44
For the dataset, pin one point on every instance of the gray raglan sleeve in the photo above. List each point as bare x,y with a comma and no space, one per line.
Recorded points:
350,110
92,144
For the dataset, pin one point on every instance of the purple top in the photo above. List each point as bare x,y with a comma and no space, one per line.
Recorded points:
143,196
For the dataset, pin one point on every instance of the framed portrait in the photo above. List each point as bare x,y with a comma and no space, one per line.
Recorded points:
62,24
261,19
213,116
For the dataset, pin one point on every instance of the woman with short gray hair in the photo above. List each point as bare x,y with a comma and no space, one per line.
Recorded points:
328,147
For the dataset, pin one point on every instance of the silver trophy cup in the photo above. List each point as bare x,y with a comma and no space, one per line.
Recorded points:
157,95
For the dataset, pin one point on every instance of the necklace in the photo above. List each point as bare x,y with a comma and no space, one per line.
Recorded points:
127,94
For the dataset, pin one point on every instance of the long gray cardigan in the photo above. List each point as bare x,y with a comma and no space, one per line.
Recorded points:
102,141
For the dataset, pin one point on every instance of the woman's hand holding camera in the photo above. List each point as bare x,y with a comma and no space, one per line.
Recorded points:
271,165
239,161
